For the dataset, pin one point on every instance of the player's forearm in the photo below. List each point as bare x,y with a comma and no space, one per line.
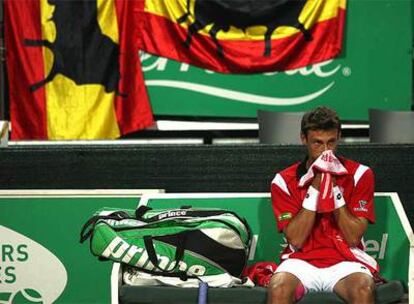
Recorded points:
299,228
351,226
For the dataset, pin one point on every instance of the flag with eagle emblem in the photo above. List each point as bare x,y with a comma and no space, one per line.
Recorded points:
242,36
73,70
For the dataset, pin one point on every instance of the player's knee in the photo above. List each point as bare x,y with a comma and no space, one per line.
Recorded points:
363,292
281,289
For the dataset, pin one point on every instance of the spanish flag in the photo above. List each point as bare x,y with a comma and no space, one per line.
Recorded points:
242,36
73,70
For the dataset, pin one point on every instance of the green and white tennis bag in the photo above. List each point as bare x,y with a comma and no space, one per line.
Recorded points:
176,245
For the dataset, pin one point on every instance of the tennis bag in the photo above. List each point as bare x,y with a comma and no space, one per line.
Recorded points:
184,242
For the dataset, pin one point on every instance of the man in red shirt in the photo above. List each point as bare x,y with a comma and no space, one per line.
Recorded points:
325,250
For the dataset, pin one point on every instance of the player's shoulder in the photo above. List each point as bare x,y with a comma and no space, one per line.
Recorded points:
355,168
288,174
290,171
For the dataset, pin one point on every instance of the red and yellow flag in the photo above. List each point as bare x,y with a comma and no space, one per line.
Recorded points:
73,69
242,36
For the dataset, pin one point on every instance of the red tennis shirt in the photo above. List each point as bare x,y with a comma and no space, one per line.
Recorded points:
325,245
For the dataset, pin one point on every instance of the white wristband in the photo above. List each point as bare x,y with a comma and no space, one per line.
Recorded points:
311,199
339,197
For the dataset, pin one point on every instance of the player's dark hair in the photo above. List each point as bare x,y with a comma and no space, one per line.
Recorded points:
320,118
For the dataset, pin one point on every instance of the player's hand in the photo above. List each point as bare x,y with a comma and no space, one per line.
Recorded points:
316,182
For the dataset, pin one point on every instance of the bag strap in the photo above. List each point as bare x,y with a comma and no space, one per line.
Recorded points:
189,213
86,233
181,274
179,252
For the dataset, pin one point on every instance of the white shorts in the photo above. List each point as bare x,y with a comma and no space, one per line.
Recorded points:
320,279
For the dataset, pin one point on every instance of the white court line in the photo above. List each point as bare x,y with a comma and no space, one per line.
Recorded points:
17,193
409,232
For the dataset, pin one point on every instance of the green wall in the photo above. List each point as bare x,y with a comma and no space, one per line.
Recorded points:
42,260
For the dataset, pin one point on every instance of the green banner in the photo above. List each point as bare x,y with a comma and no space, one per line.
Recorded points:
373,71
42,260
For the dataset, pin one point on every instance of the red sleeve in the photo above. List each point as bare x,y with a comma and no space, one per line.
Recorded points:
362,199
284,205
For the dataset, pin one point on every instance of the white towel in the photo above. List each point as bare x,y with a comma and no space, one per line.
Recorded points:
327,164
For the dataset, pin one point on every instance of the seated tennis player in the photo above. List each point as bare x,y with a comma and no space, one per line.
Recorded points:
323,205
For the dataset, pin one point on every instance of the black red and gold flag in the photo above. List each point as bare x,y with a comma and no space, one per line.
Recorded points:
242,36
73,70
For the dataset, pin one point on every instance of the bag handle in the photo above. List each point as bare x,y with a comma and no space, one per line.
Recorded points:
179,253
140,211
86,233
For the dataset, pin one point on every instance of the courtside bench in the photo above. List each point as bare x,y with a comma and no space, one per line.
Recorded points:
390,241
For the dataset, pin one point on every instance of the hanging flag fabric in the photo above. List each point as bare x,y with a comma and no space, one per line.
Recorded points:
73,70
242,36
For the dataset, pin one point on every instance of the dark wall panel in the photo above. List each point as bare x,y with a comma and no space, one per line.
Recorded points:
202,168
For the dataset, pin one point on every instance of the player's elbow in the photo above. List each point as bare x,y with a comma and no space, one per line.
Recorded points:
295,242
295,238
353,241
